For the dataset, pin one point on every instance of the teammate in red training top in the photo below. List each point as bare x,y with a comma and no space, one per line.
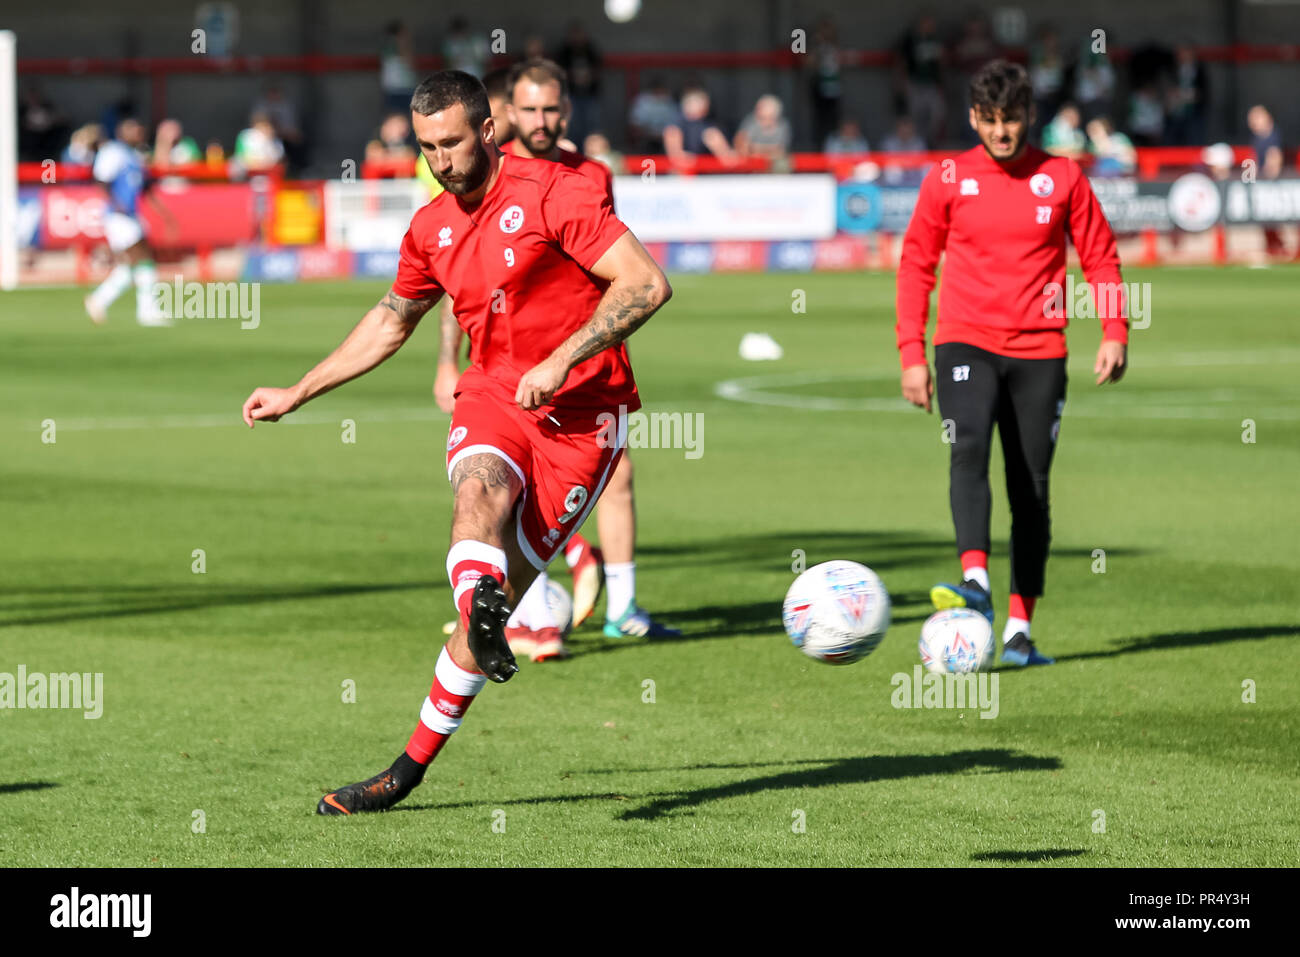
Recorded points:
1002,211
536,101
548,284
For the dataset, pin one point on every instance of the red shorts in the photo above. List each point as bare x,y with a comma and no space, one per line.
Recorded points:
564,460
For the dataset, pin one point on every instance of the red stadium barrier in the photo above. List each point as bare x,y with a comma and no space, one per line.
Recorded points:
225,171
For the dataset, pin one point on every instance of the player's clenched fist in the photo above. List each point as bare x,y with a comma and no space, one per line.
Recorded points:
917,386
539,384
269,404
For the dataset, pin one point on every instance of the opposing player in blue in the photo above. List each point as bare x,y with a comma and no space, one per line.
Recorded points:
119,164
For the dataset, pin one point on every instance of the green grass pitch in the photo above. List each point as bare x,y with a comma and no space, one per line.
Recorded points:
224,716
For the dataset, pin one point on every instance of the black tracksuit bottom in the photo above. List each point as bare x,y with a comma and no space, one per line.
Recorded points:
1024,397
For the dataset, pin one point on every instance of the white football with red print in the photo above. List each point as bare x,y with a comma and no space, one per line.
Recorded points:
836,612
956,641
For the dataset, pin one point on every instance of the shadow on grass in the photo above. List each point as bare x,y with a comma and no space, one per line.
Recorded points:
26,786
110,601
860,770
715,621
773,551
1187,639
1029,857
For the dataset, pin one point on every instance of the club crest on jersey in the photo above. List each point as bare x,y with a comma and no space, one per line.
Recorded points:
456,437
970,187
1041,185
444,237
511,220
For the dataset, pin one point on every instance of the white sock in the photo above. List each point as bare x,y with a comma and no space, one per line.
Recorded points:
1015,626
533,611
620,588
114,285
145,277
978,575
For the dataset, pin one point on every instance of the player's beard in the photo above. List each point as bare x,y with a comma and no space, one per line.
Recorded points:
1017,148
480,167
540,145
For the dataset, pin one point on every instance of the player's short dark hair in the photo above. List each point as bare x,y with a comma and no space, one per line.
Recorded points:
1001,87
447,88
540,71
496,83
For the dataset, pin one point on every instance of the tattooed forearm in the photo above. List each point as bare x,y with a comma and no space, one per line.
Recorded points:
485,467
408,310
621,312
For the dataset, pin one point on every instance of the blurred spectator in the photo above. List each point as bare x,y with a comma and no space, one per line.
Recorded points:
596,146
393,141
1189,92
919,77
652,110
1146,116
81,148
534,47
826,84
464,50
1266,141
694,133
1094,81
172,147
765,132
397,68
904,138
581,60
1046,74
1219,160
41,128
1114,151
258,148
284,121
847,139
1062,136
974,47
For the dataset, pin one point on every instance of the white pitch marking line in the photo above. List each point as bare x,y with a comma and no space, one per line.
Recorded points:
756,390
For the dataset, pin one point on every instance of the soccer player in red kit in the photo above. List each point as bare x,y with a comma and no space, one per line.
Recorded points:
547,283
1002,213
537,105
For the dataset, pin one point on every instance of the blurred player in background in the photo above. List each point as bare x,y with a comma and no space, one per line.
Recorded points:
527,454
1003,213
119,164
535,99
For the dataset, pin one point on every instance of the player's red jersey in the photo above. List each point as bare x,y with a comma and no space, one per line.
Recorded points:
517,267
597,172
1004,229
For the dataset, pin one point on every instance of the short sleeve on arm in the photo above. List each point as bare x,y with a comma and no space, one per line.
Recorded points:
580,217
414,277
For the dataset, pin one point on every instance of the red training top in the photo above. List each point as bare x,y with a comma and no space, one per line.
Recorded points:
597,172
517,266
1004,229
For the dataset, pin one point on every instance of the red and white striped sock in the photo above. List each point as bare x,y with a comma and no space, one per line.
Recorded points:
975,567
453,691
1020,612
467,562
